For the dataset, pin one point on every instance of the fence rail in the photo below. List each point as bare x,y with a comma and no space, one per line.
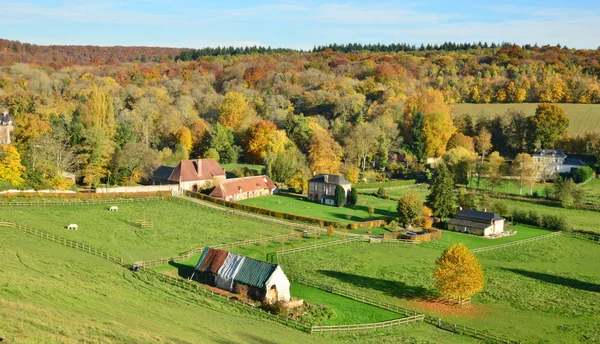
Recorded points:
514,243
66,242
322,245
584,236
82,202
468,331
371,326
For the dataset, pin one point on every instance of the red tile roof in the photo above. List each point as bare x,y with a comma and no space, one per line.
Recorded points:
192,170
238,185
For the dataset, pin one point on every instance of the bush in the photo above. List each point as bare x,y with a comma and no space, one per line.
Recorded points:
381,193
582,174
353,198
340,196
277,308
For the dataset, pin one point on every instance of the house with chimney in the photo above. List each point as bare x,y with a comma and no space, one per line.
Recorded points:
6,128
554,161
476,222
190,175
321,188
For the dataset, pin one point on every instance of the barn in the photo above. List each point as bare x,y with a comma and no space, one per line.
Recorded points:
226,270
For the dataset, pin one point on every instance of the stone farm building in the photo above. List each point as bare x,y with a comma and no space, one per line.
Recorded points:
553,161
477,222
321,188
226,270
6,128
241,188
191,175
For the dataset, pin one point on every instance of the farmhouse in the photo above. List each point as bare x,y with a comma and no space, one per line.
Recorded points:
321,188
227,271
6,128
477,222
241,188
554,161
191,175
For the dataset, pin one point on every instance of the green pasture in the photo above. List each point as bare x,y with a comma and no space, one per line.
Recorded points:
472,241
583,117
591,190
509,186
176,228
301,206
541,292
392,183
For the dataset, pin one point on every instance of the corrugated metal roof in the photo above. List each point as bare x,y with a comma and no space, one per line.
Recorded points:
231,265
254,273
202,256
213,260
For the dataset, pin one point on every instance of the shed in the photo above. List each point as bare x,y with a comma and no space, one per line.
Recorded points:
226,270
477,222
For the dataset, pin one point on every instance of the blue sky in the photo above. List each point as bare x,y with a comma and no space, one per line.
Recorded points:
298,24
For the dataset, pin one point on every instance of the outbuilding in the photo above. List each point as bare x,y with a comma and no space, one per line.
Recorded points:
226,270
477,222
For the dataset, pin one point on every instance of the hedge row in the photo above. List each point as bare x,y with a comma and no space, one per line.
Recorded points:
385,184
370,224
84,195
547,221
263,211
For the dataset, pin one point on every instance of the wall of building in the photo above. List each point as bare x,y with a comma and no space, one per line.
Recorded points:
173,188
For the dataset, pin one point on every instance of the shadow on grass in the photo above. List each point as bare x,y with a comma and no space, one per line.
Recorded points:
391,288
183,270
564,281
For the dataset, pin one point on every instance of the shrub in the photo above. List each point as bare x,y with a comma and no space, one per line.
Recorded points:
340,196
582,174
353,198
277,308
381,193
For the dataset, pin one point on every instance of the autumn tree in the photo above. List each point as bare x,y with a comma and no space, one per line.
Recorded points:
460,140
526,170
11,170
550,123
567,192
437,130
483,142
362,143
458,273
409,207
258,137
233,110
282,166
325,153
184,138
136,161
427,101
496,170
460,162
441,198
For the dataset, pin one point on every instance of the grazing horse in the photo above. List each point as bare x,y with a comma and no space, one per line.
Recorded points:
113,208
73,226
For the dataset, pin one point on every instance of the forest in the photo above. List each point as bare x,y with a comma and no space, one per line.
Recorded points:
112,114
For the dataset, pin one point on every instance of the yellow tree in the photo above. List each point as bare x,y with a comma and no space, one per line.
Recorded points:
184,136
257,139
233,110
10,165
437,130
325,153
526,170
458,273
495,170
426,101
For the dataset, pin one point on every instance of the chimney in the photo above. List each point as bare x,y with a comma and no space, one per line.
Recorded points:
199,163
485,210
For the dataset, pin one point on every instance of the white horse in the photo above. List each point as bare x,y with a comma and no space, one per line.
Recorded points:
73,226
113,208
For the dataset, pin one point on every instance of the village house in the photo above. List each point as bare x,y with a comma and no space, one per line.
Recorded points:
321,188
553,161
477,222
190,175
6,128
241,188
226,270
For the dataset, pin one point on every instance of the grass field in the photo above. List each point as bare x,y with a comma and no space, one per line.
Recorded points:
539,292
294,205
393,183
229,168
591,190
51,293
583,117
176,228
472,241
510,187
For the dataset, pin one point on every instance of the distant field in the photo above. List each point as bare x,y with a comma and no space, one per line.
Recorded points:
583,117
541,291
294,205
176,228
591,190
471,241
510,186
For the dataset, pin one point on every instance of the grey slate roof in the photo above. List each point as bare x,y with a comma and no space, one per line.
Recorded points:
476,215
574,162
549,152
164,172
467,223
331,179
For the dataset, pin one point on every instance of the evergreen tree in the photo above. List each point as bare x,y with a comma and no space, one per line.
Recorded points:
442,198
353,198
340,196
418,140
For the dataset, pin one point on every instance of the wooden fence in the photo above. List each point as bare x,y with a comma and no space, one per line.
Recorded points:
372,326
584,236
468,331
318,246
82,202
67,242
514,243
